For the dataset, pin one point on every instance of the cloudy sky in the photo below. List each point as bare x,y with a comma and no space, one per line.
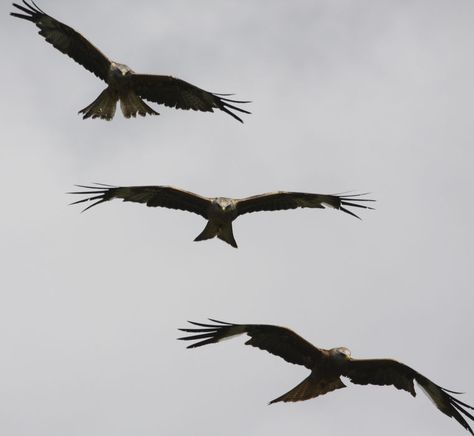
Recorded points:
364,96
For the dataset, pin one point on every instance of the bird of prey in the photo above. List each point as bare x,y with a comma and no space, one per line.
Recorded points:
327,366
219,211
124,84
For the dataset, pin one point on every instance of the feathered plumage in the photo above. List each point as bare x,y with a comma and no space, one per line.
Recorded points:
327,366
220,212
124,84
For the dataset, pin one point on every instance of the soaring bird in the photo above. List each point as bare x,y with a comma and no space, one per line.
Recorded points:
124,84
219,212
327,366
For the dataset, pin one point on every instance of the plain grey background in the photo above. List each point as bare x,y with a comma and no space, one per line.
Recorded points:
347,95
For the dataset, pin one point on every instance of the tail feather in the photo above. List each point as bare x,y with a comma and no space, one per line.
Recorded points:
227,235
131,105
209,232
102,107
224,233
310,387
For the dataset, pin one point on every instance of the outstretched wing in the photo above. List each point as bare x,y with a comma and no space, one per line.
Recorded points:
179,94
391,372
279,341
292,200
152,196
65,39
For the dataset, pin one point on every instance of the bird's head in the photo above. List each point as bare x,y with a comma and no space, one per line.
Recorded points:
341,353
225,203
121,69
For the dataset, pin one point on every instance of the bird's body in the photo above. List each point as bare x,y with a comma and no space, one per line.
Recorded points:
124,85
328,366
219,212
117,72
222,210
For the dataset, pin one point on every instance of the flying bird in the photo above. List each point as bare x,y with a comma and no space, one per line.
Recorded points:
219,212
124,84
327,366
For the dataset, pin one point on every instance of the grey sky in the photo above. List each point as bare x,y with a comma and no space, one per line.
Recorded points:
368,96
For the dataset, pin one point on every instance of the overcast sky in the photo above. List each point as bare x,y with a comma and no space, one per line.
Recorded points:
365,96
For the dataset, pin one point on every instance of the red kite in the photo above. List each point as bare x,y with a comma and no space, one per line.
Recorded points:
327,366
219,212
124,84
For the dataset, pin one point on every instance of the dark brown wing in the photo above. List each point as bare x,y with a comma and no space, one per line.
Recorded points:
65,39
391,372
279,341
179,94
153,196
292,200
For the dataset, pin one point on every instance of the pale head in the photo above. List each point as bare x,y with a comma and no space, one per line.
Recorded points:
120,69
340,353
225,203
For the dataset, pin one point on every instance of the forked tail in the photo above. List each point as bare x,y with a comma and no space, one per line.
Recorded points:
310,387
212,230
